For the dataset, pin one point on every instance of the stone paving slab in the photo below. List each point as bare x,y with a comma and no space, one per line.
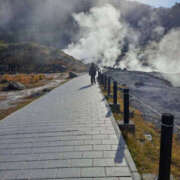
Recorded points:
66,134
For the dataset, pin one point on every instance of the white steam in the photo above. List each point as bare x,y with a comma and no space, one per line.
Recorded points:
101,37
165,56
131,61
162,56
103,34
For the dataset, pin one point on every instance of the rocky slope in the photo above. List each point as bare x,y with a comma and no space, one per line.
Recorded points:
32,57
150,93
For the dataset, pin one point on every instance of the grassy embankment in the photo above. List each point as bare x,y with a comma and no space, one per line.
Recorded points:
146,153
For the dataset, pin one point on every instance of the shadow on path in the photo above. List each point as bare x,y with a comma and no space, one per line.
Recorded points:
109,112
103,99
120,151
85,87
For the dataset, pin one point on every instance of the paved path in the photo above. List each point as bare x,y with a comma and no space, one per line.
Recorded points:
67,134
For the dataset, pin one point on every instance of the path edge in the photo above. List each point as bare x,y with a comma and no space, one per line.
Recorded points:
128,157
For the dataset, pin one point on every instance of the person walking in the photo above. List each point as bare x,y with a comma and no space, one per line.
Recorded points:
92,73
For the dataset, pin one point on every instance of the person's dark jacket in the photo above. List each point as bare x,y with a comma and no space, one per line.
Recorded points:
92,71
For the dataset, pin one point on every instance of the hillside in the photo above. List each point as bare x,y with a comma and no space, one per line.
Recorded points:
32,57
52,24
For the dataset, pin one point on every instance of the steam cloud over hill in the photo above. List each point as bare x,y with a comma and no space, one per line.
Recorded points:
103,33
116,33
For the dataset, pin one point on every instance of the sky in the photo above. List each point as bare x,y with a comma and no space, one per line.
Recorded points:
159,3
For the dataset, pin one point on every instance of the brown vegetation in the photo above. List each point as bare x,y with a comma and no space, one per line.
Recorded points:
36,58
2,98
29,80
23,78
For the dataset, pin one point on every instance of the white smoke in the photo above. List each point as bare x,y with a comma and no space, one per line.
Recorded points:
103,33
101,37
47,22
162,56
5,13
132,61
165,56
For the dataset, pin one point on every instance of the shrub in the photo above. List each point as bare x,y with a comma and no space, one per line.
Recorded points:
23,78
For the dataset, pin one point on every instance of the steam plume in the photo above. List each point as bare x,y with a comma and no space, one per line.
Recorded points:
98,31
102,34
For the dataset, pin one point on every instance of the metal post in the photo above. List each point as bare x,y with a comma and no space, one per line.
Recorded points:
126,106
102,79
166,146
109,86
99,76
105,82
115,92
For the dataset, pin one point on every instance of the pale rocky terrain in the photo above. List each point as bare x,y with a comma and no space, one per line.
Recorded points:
9,99
152,94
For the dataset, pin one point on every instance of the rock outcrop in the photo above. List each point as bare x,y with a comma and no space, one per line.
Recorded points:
72,75
14,86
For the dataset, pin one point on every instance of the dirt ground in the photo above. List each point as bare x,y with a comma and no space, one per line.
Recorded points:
13,100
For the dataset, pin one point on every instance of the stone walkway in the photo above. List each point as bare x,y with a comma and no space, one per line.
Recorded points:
67,134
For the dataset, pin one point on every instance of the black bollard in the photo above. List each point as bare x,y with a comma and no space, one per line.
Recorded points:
99,76
105,82
126,106
115,92
166,147
102,79
109,86
115,107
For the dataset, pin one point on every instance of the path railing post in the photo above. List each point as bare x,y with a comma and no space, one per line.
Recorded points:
114,92
115,107
127,125
99,76
109,86
102,79
166,146
126,106
105,82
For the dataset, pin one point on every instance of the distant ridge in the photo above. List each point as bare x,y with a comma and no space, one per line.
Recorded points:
33,57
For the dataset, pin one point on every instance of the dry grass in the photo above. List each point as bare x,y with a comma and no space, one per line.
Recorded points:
24,78
29,80
146,153
2,98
